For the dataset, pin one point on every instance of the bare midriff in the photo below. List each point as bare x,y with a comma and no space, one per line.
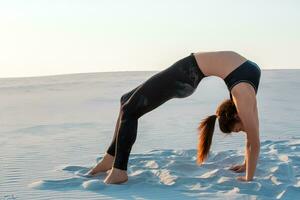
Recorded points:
218,63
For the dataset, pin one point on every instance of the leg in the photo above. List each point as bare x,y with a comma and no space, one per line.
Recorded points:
170,83
124,98
107,161
182,73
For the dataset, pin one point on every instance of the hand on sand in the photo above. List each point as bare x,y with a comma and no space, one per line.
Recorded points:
241,178
238,168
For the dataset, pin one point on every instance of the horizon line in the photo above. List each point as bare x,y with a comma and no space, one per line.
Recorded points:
95,72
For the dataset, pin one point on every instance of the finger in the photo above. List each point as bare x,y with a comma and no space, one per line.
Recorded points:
242,169
235,168
236,171
241,178
239,170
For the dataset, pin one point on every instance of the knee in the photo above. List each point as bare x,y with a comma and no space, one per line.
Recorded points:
125,111
123,98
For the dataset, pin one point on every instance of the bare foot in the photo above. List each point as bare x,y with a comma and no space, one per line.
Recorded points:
104,165
116,176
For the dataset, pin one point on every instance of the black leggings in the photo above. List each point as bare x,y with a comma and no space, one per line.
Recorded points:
177,81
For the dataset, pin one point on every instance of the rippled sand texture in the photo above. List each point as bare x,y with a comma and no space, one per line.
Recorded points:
175,171
53,128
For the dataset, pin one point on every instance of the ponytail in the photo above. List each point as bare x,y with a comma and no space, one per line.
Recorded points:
206,130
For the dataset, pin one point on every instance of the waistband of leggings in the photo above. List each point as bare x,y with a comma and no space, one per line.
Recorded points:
196,64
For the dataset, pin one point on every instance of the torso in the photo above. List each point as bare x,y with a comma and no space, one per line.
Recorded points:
218,63
222,63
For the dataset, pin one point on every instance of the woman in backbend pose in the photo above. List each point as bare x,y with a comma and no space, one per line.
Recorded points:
239,113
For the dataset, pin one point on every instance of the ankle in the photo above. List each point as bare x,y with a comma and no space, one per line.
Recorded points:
119,171
108,156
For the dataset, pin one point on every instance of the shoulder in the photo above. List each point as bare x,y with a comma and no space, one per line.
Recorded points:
243,94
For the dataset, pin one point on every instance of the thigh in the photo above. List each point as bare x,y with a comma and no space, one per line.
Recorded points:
175,81
158,89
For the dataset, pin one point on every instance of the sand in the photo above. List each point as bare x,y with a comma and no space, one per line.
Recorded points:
54,129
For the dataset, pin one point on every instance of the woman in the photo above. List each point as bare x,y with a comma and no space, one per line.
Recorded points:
239,113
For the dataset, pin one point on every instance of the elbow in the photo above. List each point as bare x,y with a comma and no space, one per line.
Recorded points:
257,144
255,147
253,141
253,144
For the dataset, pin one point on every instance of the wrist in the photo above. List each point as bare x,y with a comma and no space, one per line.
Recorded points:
248,178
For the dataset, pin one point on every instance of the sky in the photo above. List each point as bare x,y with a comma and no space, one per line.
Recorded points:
49,37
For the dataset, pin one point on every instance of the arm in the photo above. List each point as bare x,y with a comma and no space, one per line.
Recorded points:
247,110
247,150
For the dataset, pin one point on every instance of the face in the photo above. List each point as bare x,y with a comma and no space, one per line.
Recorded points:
238,127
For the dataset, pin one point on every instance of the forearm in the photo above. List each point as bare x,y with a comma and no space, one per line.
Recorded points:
247,152
251,161
246,106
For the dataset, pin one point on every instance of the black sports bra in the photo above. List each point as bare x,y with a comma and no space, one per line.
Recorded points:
247,72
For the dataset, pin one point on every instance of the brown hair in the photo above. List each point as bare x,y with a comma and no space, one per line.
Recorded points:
225,113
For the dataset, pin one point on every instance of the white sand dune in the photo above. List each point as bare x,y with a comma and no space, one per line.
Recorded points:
52,129
175,171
